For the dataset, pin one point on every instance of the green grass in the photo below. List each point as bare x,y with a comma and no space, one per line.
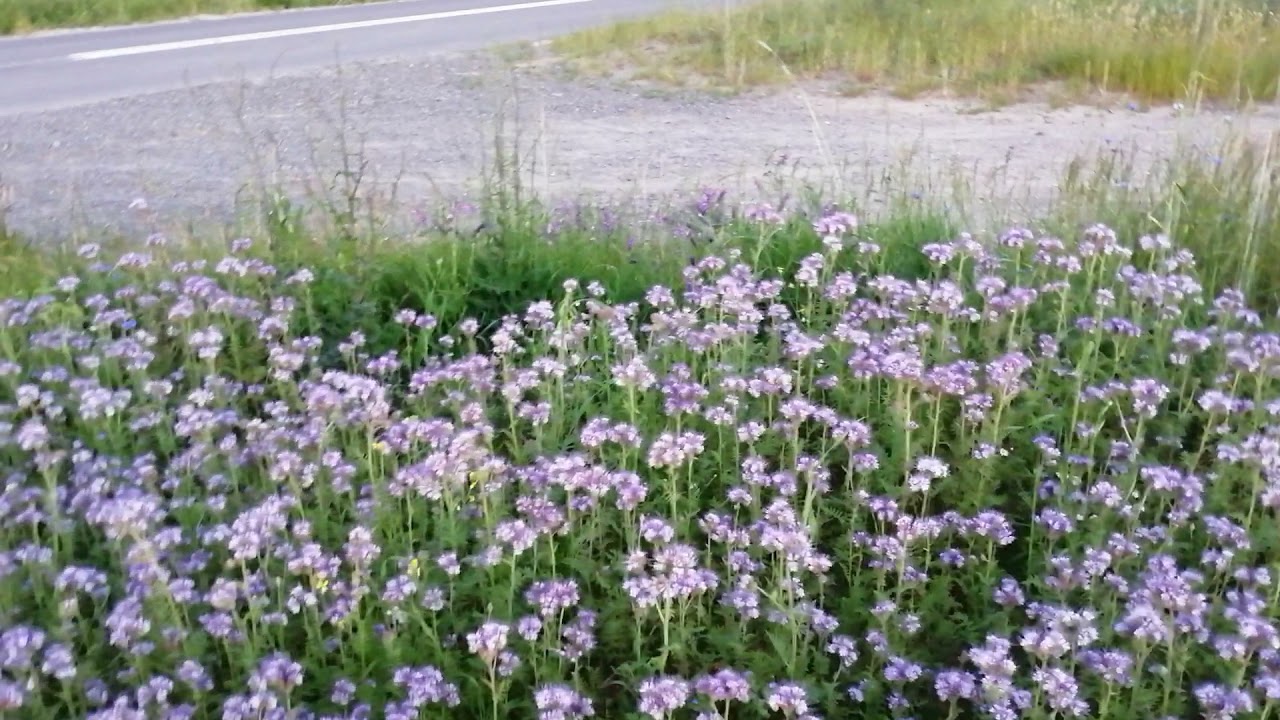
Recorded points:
1222,204
20,16
1224,209
1152,49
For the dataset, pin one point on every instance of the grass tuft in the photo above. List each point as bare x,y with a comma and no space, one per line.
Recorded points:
1220,203
1151,49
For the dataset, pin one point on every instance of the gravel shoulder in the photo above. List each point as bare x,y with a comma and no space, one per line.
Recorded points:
422,130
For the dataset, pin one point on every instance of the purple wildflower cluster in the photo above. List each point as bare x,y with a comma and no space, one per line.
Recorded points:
1038,479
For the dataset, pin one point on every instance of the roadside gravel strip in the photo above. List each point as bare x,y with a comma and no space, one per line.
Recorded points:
428,126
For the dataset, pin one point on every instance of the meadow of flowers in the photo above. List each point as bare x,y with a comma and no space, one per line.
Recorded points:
1039,478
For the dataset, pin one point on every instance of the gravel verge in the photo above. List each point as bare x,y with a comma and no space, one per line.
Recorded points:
427,129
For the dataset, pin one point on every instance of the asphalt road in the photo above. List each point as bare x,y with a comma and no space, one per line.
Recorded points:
65,69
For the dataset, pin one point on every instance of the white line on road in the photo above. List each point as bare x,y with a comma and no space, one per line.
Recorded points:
289,32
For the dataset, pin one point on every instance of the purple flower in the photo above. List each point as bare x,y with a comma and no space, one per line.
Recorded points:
656,530
788,698
661,696
578,636
763,213
724,685
256,529
1056,523
127,623
844,648
1004,374
343,692
1113,666
1164,604
1267,683
276,672
900,670
952,685
992,657
561,702
18,647
426,685
673,451
528,627
552,596
12,696
634,375
433,598
836,223
1219,702
488,640
1008,593
58,662
1060,691
857,691
1147,395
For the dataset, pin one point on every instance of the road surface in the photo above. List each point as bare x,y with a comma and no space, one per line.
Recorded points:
65,69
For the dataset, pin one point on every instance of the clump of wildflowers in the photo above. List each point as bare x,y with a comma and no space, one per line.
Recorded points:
1032,477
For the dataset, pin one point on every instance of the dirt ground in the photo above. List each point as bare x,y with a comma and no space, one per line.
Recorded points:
429,129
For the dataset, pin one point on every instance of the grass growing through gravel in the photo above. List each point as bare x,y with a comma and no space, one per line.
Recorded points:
20,16
1223,203
730,464
1153,49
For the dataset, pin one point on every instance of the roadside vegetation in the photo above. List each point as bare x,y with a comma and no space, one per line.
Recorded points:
21,16
1225,50
775,458
746,461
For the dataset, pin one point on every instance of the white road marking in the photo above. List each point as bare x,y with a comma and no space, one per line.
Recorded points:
290,32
